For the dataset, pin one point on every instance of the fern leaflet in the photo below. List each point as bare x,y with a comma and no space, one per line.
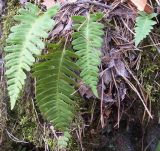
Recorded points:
144,25
87,40
23,43
54,87
158,146
63,140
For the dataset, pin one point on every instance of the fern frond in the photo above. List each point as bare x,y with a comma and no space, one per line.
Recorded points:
55,80
25,41
63,140
144,25
87,40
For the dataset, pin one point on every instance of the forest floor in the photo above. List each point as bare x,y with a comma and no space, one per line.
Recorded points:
118,121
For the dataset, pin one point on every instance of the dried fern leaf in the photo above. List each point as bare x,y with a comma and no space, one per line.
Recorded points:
55,80
144,25
24,43
87,41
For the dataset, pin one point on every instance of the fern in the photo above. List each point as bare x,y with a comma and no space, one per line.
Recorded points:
87,40
23,43
54,87
63,140
144,25
158,146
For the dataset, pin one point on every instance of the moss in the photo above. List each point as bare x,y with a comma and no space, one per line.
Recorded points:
3,114
28,129
7,20
149,74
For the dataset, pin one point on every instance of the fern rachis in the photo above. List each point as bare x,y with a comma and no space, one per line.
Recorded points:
24,43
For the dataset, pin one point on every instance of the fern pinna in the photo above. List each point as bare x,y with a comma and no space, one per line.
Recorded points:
87,40
144,25
25,41
55,80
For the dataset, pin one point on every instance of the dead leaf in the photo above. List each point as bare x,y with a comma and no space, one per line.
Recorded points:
1,7
142,5
68,26
108,98
57,30
48,3
120,68
23,1
107,77
72,1
85,91
122,90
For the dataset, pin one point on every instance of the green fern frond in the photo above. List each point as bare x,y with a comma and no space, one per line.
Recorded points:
158,146
63,140
55,80
87,40
25,41
144,25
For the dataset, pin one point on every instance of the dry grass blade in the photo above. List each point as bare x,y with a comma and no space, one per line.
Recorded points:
138,94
